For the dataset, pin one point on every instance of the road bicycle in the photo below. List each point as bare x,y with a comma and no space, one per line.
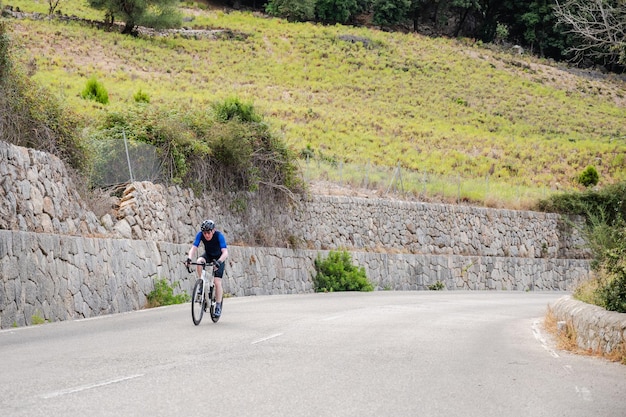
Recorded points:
203,295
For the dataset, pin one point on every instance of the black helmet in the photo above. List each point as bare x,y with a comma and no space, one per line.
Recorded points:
207,225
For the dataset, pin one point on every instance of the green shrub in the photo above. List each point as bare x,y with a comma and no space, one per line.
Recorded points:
5,44
95,91
33,117
37,319
613,295
336,273
608,203
292,10
437,286
233,109
163,294
335,11
589,177
229,149
141,97
605,231
389,13
612,292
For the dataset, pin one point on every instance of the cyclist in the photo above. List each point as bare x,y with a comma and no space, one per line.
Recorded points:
215,249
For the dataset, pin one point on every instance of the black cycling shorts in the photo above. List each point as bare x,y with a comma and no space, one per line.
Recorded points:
219,273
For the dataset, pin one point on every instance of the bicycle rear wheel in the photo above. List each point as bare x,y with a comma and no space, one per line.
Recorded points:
197,302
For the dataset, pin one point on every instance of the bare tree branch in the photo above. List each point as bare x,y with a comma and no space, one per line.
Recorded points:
52,5
599,24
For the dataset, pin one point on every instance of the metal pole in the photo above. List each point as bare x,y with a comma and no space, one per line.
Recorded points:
130,171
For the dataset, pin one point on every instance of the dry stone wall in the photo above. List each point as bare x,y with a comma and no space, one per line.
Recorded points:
597,330
58,277
155,212
59,261
38,195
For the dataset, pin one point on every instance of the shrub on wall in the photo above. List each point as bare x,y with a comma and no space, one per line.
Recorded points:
605,214
613,291
336,273
227,148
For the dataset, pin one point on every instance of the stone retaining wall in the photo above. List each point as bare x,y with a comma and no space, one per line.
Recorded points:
59,261
57,277
596,330
37,194
155,212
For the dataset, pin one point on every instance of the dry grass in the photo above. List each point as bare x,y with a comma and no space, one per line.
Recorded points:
466,122
435,106
565,337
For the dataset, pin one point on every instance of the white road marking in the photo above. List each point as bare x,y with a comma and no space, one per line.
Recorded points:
584,393
333,317
542,340
267,338
88,387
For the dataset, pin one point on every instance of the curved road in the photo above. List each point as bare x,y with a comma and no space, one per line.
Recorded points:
438,354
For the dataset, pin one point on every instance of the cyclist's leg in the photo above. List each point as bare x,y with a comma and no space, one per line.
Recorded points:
200,260
218,289
218,274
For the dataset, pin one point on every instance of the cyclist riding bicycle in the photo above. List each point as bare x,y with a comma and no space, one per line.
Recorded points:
215,249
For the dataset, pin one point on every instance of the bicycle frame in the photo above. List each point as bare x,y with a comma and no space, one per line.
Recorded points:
203,295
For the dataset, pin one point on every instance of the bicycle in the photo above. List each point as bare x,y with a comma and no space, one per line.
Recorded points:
201,298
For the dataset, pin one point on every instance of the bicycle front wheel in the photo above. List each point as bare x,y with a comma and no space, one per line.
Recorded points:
213,316
197,302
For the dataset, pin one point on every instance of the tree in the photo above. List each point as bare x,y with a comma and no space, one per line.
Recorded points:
158,14
600,25
464,8
538,23
292,10
335,11
390,12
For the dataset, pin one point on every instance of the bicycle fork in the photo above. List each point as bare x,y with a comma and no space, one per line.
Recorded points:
208,295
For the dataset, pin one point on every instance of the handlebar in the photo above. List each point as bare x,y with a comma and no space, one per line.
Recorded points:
204,264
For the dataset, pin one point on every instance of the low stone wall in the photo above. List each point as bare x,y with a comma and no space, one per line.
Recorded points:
596,329
58,277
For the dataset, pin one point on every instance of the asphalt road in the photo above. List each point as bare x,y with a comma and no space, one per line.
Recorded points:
347,354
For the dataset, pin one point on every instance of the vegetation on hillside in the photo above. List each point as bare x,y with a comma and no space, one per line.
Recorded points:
158,14
353,96
224,147
590,30
32,117
605,230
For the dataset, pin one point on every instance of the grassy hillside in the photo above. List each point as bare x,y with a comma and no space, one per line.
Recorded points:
435,106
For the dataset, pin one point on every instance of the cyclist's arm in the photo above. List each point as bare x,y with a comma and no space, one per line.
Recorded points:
223,256
194,248
223,248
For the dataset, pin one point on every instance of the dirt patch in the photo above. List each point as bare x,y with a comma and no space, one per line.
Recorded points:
587,82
